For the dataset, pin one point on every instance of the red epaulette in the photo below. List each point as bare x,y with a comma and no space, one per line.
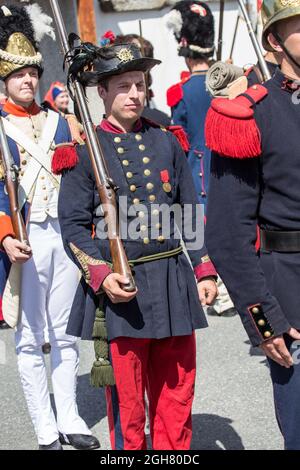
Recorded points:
64,157
177,131
175,92
230,128
181,136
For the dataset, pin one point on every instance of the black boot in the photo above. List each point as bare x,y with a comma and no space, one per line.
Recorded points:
79,441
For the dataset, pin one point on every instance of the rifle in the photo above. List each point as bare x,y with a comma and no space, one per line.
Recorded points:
143,53
105,185
220,36
11,171
261,60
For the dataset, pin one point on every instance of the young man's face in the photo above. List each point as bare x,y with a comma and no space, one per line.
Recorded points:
21,86
124,99
289,31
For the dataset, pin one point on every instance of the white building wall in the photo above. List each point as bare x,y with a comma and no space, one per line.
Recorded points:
165,45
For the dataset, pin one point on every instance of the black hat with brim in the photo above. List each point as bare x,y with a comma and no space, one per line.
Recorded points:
115,60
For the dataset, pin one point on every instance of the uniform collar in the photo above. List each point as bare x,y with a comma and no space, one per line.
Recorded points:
20,111
107,126
285,83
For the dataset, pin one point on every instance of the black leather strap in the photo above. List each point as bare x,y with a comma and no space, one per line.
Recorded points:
288,242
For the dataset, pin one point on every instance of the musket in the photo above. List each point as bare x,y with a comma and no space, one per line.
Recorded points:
234,36
261,60
143,54
105,186
220,36
11,172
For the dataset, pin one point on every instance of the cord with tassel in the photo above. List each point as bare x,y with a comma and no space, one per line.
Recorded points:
102,372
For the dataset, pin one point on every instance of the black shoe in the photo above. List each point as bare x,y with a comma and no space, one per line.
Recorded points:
79,441
56,445
4,325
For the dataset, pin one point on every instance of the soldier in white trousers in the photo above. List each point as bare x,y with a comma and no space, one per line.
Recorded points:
41,280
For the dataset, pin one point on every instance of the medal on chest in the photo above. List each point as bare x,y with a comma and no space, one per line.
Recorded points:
165,179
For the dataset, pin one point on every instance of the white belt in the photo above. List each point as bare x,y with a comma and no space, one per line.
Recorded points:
39,153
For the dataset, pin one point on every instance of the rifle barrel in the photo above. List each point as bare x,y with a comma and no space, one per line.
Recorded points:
257,48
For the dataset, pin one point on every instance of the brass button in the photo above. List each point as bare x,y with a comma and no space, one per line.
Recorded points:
149,186
132,188
146,160
155,212
161,238
129,175
44,187
146,240
136,201
22,150
143,228
121,150
138,137
255,310
267,334
261,322
45,198
141,214
142,147
152,198
24,162
147,172
117,140
158,226
42,177
125,162
22,173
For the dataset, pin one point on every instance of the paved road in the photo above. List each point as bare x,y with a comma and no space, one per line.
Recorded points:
232,409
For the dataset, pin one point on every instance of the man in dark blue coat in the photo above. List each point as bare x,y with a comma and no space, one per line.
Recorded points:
255,181
193,25
150,331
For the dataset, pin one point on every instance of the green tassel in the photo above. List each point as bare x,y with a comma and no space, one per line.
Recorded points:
101,348
102,374
99,329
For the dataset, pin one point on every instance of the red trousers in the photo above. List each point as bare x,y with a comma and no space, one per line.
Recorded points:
163,368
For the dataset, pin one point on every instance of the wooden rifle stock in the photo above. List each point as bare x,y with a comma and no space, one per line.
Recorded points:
11,183
105,186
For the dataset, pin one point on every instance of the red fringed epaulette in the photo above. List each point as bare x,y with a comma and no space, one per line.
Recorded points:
181,136
175,92
64,157
230,127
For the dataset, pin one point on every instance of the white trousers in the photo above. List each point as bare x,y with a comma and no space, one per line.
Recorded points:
49,281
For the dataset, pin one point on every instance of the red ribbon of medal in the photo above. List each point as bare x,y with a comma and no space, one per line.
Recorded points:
165,179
